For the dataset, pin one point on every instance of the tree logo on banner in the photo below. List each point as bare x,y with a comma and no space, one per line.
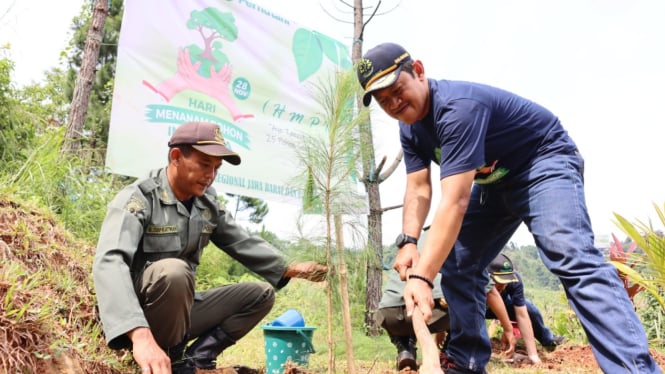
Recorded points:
206,70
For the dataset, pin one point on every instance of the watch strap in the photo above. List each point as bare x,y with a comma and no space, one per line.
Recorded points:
406,239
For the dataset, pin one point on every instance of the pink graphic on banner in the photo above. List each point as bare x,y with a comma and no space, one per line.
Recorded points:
187,78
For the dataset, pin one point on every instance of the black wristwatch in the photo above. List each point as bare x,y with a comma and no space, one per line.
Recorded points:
403,239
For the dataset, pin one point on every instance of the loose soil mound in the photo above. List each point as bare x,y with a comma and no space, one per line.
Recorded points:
47,315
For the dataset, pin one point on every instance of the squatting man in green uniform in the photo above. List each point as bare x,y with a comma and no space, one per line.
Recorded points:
392,315
148,250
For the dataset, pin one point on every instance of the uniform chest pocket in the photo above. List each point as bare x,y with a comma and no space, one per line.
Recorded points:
157,247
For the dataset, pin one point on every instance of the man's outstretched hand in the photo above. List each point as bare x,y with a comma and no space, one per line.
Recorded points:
310,270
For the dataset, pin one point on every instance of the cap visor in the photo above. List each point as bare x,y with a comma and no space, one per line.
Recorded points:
505,278
217,150
381,83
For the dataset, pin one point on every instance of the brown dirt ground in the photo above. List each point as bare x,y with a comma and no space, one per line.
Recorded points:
565,359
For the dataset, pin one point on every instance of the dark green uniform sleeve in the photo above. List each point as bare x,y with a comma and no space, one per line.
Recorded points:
252,251
119,239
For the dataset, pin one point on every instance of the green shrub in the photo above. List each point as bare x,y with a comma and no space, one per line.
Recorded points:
16,131
646,266
652,317
63,184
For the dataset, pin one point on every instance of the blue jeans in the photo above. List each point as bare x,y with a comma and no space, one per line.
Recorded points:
540,331
549,199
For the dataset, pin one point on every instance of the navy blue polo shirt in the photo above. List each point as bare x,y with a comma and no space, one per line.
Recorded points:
475,126
514,293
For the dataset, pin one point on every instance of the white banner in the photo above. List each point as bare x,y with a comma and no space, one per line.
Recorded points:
232,62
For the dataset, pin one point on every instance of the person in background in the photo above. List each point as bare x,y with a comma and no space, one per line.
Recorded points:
148,250
499,312
391,315
495,304
508,284
503,161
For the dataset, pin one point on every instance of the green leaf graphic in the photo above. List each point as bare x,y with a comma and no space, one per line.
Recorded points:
329,47
345,60
307,53
334,50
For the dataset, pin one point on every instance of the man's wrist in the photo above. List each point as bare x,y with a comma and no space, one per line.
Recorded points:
404,239
408,247
289,272
139,333
421,278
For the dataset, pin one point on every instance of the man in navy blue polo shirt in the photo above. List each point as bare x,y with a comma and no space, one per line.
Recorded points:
503,161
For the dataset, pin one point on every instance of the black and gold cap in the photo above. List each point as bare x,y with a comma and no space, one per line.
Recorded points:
380,67
501,270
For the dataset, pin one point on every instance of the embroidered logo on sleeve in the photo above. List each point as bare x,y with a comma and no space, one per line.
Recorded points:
135,205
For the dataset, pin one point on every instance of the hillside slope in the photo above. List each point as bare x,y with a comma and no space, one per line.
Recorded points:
48,322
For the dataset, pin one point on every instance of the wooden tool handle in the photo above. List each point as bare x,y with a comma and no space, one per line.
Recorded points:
431,364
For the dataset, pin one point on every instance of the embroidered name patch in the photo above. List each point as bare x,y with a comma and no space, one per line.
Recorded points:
157,230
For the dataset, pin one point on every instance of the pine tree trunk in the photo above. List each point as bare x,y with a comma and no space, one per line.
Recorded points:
344,294
374,269
85,79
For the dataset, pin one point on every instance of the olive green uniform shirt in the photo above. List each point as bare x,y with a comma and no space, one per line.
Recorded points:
145,223
393,293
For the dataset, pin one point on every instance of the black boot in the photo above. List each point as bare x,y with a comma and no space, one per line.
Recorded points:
406,351
178,363
203,352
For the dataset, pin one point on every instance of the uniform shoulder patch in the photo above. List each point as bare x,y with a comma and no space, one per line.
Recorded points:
164,196
135,205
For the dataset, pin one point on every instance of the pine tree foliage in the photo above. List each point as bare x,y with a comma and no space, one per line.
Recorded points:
16,126
330,158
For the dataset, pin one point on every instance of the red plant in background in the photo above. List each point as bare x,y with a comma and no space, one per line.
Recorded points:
618,254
